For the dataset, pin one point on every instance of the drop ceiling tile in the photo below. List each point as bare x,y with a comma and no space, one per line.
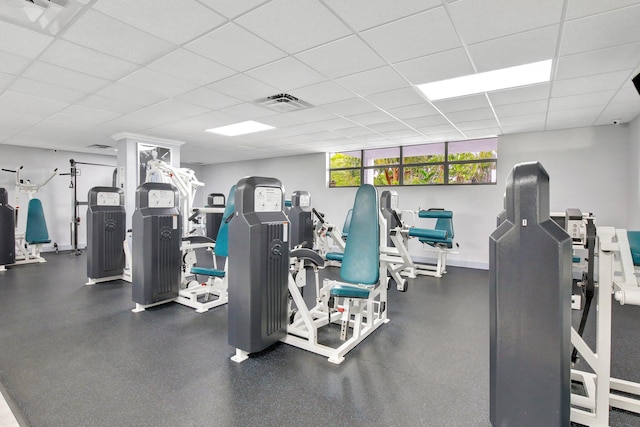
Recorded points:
79,58
525,127
17,122
310,115
155,82
174,21
243,87
404,133
396,98
45,90
418,35
623,113
477,124
601,31
79,115
287,74
388,126
572,118
208,98
587,84
470,115
480,20
107,35
354,131
323,93
373,117
13,64
439,66
350,107
373,81
6,79
375,140
440,130
162,113
363,14
624,57
231,9
283,120
483,133
125,93
470,102
594,99
58,76
198,124
247,111
580,8
20,103
520,94
525,119
340,58
235,47
427,121
22,41
309,21
422,109
627,93
186,65
108,104
521,108
517,49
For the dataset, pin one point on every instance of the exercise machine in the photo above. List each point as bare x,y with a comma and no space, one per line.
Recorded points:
213,292
28,245
157,234
394,244
7,231
357,302
325,231
301,219
106,226
530,308
258,267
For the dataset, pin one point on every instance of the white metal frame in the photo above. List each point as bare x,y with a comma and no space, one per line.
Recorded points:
602,391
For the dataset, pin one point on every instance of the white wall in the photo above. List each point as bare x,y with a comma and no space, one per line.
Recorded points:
633,207
56,196
587,167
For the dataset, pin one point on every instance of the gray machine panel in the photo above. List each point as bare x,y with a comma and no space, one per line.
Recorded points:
301,219
214,220
7,230
388,203
530,308
258,265
106,229
157,235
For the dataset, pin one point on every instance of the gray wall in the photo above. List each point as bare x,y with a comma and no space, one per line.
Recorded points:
594,169
588,168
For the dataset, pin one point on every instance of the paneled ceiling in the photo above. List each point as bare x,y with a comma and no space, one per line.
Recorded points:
172,69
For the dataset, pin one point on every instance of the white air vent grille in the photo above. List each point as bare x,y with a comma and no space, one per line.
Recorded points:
283,103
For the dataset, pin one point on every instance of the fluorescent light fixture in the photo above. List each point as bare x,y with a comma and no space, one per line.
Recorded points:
240,128
521,75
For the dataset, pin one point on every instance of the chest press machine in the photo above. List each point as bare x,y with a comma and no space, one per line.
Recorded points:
28,244
394,244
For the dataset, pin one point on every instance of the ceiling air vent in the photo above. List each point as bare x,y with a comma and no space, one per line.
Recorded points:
102,147
283,103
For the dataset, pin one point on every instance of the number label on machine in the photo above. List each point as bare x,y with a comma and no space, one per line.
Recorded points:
161,199
267,199
106,198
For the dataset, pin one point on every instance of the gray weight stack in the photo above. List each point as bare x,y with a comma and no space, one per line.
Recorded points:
258,265
300,217
388,203
7,230
156,235
106,228
530,308
214,220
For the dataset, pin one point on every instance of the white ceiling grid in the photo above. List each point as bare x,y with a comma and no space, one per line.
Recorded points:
173,69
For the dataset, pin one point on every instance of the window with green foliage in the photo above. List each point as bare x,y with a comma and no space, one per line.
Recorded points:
442,163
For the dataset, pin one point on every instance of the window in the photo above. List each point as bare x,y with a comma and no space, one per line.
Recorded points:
443,163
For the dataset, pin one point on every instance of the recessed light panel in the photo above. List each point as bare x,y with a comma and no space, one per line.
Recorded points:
240,128
521,75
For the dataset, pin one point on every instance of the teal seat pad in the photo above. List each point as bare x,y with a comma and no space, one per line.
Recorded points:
208,271
428,234
634,244
346,291
435,214
334,256
36,231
